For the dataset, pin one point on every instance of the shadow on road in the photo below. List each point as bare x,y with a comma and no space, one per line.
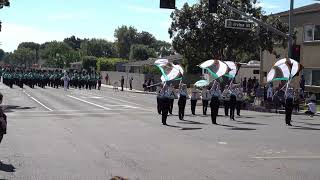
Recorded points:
191,122
242,129
249,123
12,108
304,128
7,167
189,129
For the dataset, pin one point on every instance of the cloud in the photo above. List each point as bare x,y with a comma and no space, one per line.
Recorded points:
13,34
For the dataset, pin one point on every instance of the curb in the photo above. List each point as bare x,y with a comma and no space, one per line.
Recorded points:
127,90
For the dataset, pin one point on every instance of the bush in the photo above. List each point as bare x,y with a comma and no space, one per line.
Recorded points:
109,64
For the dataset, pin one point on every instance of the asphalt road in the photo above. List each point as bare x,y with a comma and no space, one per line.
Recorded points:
81,134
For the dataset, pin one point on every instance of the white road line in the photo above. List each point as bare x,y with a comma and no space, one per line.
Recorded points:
91,103
289,157
118,100
37,101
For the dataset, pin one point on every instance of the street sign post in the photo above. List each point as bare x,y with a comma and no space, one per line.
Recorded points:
238,24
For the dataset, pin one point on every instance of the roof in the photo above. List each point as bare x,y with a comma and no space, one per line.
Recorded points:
150,61
315,7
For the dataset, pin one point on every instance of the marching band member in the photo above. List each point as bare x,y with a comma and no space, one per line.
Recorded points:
239,95
158,99
194,98
226,100
233,101
205,100
215,102
183,94
172,96
289,105
165,103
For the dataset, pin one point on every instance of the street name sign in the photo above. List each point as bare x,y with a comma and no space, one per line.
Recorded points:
238,24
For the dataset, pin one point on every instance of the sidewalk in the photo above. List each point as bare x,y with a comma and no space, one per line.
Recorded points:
128,90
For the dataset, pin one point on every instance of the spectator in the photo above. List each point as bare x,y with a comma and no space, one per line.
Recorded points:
130,82
144,85
122,82
302,83
312,109
244,85
107,79
3,121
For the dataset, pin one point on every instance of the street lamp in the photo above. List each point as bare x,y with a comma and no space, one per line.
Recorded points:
290,41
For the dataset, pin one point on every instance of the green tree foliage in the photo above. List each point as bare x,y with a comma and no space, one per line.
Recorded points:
109,64
99,48
2,54
58,54
141,52
162,48
73,42
125,37
31,45
145,38
89,62
23,57
199,35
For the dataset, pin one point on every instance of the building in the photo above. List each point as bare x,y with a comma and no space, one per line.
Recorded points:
306,23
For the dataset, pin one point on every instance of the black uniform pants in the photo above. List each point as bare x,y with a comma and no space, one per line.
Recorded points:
238,107
159,105
289,109
233,103
214,105
193,106
165,103
182,105
171,106
226,107
205,106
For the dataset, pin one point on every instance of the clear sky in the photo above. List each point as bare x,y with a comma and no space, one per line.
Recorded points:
45,20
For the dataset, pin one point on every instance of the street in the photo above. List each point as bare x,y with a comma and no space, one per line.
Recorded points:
82,134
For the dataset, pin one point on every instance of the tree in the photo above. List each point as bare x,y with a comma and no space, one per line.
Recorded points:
57,54
98,48
200,36
73,42
125,37
141,52
31,45
23,57
162,48
2,54
145,38
89,62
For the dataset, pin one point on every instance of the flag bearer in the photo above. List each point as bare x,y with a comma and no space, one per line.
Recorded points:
183,94
205,100
215,102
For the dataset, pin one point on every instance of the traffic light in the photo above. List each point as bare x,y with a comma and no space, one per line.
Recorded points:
213,6
296,52
168,4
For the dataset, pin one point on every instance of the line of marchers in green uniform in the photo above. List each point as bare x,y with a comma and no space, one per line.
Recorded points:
52,78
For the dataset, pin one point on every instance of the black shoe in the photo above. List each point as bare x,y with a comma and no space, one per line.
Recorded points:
289,124
165,124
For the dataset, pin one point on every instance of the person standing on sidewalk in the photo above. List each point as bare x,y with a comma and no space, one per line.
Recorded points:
122,82
130,82
183,94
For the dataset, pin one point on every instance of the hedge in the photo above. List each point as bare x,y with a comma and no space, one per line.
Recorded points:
108,64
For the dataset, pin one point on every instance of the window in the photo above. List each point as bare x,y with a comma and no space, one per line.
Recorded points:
256,71
311,33
312,77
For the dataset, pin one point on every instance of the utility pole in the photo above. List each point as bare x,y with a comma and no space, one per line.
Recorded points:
290,41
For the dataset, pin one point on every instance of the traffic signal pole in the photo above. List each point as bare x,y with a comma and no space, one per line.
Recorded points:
290,41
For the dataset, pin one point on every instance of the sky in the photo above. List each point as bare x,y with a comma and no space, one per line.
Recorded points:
46,20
